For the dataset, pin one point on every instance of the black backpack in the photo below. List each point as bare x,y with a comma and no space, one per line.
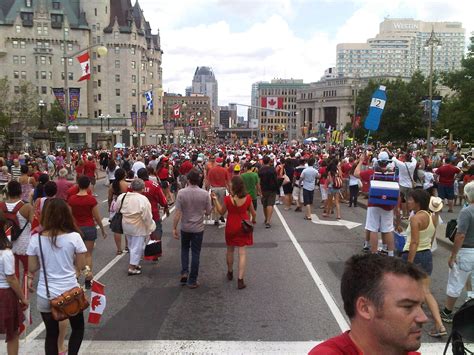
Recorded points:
12,226
451,229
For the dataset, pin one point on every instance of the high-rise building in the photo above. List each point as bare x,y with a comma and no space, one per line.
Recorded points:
205,83
252,117
36,35
277,126
228,116
188,91
399,50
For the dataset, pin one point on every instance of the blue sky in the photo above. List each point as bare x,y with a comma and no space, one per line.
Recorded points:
245,41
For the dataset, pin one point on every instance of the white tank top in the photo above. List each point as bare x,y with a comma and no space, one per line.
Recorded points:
21,244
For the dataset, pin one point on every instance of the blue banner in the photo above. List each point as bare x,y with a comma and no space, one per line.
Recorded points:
377,105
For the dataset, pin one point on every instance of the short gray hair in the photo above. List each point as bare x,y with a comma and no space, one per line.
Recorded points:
63,172
469,191
137,185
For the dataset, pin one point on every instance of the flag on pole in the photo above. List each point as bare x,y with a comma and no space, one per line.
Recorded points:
85,62
98,302
176,111
272,102
149,100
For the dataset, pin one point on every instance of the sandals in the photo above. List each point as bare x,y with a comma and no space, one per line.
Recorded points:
437,333
308,218
119,252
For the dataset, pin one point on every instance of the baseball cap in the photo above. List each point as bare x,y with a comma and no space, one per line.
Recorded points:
383,156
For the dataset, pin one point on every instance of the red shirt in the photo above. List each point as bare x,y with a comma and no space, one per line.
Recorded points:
185,167
154,194
218,176
80,170
89,168
163,173
446,174
346,167
74,190
342,345
81,207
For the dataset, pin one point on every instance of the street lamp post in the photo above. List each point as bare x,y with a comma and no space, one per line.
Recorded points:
431,43
102,50
101,116
41,105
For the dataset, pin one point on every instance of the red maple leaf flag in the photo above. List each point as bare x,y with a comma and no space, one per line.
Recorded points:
176,113
272,102
85,61
98,302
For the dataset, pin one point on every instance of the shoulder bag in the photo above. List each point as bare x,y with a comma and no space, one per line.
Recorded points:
413,184
116,221
69,303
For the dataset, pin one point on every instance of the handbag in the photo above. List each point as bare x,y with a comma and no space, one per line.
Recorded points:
69,303
116,221
153,250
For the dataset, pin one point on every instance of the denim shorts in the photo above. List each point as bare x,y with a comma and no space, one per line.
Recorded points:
89,234
446,192
308,197
424,259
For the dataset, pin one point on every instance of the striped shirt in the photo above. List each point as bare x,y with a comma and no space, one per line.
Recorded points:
16,172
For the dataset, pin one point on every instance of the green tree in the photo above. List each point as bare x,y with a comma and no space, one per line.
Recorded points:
457,110
403,116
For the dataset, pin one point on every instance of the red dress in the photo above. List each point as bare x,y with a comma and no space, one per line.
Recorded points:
234,237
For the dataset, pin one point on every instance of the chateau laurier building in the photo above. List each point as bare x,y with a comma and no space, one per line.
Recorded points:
36,35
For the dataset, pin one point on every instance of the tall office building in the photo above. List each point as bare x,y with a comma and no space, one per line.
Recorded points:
277,126
252,118
35,35
399,50
205,83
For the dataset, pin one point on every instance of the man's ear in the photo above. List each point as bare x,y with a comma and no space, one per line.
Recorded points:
365,308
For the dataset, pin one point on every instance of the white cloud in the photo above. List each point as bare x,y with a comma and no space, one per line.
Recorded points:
268,47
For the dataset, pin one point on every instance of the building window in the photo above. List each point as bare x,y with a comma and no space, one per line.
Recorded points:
69,61
23,75
44,90
50,60
134,92
17,28
116,34
50,75
134,35
39,29
117,64
98,68
69,47
95,11
15,44
22,59
150,63
117,92
22,44
117,78
94,55
56,5
143,66
70,76
37,75
132,50
43,75
117,108
134,108
134,79
66,32
117,50
16,74
28,3
134,64
151,74
99,83
45,29
99,97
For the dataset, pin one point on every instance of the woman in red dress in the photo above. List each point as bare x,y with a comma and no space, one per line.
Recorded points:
238,205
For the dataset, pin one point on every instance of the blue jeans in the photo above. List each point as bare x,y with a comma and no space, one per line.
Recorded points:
193,240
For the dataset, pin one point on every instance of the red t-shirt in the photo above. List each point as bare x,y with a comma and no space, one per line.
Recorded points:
446,174
346,167
218,176
74,190
81,207
342,345
185,167
366,176
89,168
163,173
154,194
80,170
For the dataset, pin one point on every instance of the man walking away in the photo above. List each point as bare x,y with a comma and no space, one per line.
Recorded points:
308,179
218,181
269,186
251,183
192,203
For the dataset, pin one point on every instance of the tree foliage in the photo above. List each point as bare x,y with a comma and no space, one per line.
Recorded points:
403,116
457,113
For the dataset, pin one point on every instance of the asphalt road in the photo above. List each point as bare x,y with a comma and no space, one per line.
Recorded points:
292,292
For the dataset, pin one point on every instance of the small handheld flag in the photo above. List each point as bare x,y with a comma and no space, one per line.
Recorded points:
98,302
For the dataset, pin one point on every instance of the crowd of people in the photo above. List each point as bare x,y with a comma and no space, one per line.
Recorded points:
220,184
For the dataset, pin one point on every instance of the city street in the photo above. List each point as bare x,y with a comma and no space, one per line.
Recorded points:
292,299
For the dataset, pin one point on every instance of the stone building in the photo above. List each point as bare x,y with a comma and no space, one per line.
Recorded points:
36,36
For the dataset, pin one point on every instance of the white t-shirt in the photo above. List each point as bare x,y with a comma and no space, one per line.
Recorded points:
7,267
405,171
59,261
137,166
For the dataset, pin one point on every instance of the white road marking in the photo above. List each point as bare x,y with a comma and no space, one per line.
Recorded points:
340,222
105,201
90,347
336,312
37,331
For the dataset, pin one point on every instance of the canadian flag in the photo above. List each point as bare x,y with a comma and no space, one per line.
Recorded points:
272,102
98,302
176,112
85,61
